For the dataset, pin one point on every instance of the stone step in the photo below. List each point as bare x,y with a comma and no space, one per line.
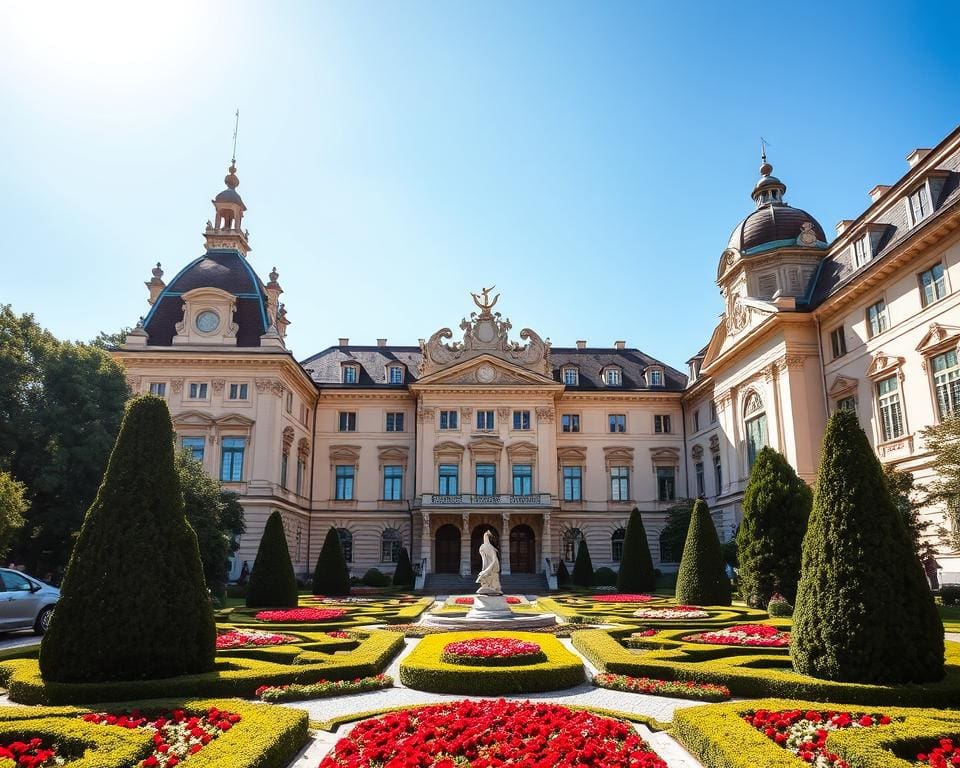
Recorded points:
451,583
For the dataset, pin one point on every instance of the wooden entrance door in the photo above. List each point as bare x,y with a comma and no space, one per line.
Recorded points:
447,549
476,539
523,549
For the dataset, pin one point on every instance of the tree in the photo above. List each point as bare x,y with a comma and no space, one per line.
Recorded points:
702,579
563,575
332,576
902,486
674,533
113,340
583,566
776,506
134,582
403,573
273,583
215,516
636,566
864,612
943,441
13,504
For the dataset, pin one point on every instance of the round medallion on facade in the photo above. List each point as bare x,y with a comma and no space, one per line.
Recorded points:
486,374
485,331
207,321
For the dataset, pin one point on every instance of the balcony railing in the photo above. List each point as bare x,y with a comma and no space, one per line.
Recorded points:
495,500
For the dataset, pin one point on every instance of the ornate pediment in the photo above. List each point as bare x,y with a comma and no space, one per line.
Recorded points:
883,365
192,419
570,453
234,420
939,337
665,456
486,332
486,369
617,455
842,385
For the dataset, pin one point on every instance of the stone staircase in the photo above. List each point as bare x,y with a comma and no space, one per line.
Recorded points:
516,584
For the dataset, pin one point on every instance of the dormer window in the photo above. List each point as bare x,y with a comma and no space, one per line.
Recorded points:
655,377
571,376
861,252
350,374
395,374
920,204
613,377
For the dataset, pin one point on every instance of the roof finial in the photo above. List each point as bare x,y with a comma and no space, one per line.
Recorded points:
236,127
765,167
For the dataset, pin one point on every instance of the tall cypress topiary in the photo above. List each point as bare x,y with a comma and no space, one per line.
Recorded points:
864,612
636,566
273,583
776,507
563,575
702,579
133,603
583,566
403,573
332,576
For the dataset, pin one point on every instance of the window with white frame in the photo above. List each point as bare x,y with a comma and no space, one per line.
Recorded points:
861,252
347,421
877,321
889,408
656,377
920,204
616,544
395,422
521,420
390,544
946,382
838,342
158,388
848,403
619,483
932,286
395,374
570,422
571,376
756,427
485,420
237,392
197,390
392,482
618,422
351,374
661,424
449,419
613,377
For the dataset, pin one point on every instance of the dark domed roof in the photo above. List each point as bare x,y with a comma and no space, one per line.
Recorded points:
225,269
772,226
228,196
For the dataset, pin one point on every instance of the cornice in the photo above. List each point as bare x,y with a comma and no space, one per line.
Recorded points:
607,396
553,390
366,394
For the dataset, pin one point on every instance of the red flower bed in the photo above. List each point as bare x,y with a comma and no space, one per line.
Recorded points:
302,614
469,601
622,598
339,634
756,635
30,754
683,689
176,734
241,638
945,755
492,650
484,734
805,732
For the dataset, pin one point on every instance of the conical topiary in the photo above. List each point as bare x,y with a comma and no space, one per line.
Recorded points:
273,583
636,566
563,575
583,566
702,579
331,577
864,612
403,573
133,602
776,506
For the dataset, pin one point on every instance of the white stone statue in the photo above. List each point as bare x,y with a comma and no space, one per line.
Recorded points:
489,576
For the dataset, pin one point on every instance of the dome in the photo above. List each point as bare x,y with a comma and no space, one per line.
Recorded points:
773,226
228,196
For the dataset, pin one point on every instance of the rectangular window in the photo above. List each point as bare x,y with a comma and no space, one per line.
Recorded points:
449,419
877,318
301,469
713,412
756,437
237,392
349,374
932,286
618,422
449,479
946,381
344,486
613,377
891,412
158,388
522,479
289,403
486,479
698,471
919,204
619,483
861,252
570,377
198,391
485,420
696,420
666,484
718,473
231,459
195,446
396,374
348,421
392,483
838,342
284,462
521,419
847,404
656,378
572,482
570,422
661,424
395,422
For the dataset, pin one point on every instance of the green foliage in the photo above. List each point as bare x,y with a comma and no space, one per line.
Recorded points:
563,575
902,489
636,568
779,609
13,505
135,581
331,577
110,341
604,577
272,581
583,566
674,533
776,506
215,516
864,611
943,441
60,407
374,577
403,573
702,579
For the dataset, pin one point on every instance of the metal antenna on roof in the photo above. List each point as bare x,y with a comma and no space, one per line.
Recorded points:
236,126
763,149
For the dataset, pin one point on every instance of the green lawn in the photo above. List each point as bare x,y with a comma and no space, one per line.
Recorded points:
951,617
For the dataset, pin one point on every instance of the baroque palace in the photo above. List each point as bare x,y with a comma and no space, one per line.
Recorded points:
429,446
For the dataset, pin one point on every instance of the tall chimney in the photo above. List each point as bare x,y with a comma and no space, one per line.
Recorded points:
344,342
878,191
620,344
381,342
581,343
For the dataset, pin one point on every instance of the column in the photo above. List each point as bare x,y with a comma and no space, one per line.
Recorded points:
505,544
546,545
425,541
465,545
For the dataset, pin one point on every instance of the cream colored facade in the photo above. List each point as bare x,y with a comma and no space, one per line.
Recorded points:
427,446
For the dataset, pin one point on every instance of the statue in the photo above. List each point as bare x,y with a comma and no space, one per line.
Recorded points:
485,304
489,577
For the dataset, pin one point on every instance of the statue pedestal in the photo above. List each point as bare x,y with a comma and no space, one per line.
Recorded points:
489,607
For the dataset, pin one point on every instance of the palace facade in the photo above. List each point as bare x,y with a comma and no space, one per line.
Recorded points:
428,446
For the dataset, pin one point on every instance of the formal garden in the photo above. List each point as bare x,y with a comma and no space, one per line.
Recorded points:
828,649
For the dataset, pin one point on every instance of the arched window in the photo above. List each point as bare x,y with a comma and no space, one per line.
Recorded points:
390,543
667,553
616,544
346,543
755,423
571,543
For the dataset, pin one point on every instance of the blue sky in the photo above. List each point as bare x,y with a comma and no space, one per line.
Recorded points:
589,158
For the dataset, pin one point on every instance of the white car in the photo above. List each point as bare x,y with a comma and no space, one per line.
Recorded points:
25,602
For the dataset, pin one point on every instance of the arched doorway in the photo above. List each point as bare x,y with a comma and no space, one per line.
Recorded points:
523,549
476,539
447,549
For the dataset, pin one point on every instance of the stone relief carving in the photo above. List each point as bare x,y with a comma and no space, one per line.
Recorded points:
807,236
738,317
545,414
176,385
424,413
134,383
218,385
269,385
503,413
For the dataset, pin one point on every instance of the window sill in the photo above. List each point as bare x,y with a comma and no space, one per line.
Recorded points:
900,446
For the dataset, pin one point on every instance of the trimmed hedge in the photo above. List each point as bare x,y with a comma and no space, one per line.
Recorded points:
82,744
636,566
720,738
582,566
272,582
702,578
403,574
423,669
331,576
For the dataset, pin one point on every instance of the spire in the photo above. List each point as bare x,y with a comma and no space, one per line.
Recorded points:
226,230
769,189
